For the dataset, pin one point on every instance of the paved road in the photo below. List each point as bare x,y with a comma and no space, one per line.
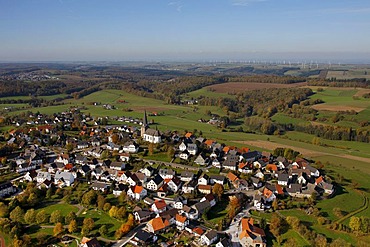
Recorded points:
233,229
122,242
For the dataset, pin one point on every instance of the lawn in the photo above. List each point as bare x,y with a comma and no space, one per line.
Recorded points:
301,242
62,207
216,214
101,218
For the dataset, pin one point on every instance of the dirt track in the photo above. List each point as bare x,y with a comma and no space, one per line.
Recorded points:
306,152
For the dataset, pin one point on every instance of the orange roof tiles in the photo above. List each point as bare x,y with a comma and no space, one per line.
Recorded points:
198,230
248,228
209,142
137,189
158,223
232,177
188,135
271,167
160,204
319,180
180,218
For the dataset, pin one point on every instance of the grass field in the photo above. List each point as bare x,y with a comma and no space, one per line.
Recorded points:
62,207
101,218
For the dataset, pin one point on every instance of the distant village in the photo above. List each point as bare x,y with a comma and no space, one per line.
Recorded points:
172,195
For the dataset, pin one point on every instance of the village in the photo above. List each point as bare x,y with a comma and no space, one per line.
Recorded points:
169,196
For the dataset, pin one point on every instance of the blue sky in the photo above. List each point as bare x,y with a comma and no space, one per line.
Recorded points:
67,30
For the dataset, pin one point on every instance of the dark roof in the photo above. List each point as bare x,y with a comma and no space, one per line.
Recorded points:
143,236
93,243
211,234
157,179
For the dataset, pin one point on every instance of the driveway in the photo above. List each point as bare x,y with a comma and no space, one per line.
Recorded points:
233,229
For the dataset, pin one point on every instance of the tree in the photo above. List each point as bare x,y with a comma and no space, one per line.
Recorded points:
101,202
30,216
17,215
41,217
88,226
151,148
69,217
55,217
263,223
89,198
107,207
339,243
58,229
293,222
277,225
72,227
338,212
233,207
321,241
121,213
122,198
291,242
275,204
113,211
3,210
103,230
218,190
355,223
32,199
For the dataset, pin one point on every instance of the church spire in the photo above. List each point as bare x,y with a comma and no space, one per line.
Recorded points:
145,120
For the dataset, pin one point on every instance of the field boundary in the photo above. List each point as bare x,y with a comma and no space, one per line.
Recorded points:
362,208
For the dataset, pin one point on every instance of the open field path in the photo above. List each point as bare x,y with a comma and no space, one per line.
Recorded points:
364,207
306,152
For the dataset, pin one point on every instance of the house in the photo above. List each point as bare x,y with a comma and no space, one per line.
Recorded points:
7,189
148,171
159,206
256,182
136,192
63,158
152,136
182,147
155,183
209,238
250,156
268,194
117,191
201,207
283,179
210,198
244,168
62,179
313,171
192,148
217,179
181,222
144,238
124,157
30,176
251,235
189,212
130,147
205,189
179,202
82,145
295,190
201,160
225,242
186,176
86,242
184,155
232,178
157,225
80,159
203,179
189,186
84,170
166,173
174,184
119,166
143,215
42,176
100,186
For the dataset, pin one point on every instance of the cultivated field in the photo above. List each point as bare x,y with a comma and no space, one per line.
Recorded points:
234,87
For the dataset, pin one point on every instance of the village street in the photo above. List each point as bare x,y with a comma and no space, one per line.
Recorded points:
233,229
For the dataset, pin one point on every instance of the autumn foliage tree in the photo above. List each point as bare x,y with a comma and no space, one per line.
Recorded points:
126,227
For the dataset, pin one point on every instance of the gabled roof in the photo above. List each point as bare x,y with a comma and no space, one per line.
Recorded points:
232,177
137,189
160,204
180,218
158,223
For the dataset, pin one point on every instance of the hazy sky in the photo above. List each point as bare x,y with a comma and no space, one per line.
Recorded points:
54,30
